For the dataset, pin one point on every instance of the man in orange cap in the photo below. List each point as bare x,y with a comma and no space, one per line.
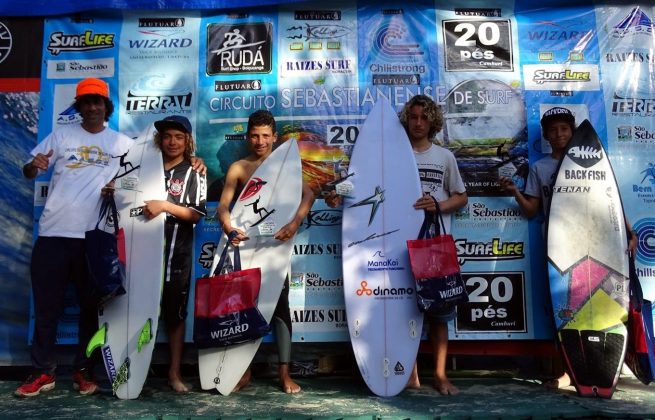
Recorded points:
83,158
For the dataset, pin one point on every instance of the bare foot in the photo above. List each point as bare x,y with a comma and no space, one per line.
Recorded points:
559,383
177,385
413,382
244,381
445,387
289,386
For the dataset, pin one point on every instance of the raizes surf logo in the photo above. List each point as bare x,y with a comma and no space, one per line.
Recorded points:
374,201
88,41
243,48
254,186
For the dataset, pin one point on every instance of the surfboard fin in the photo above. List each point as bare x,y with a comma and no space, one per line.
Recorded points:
122,376
98,339
145,335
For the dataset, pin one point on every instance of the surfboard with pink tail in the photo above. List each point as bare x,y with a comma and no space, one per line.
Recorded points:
588,266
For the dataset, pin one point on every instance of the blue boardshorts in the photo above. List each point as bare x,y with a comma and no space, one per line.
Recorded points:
445,314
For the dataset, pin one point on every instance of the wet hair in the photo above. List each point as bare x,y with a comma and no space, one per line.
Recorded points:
431,109
261,118
557,113
189,144
109,105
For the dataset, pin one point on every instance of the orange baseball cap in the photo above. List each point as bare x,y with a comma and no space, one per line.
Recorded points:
92,86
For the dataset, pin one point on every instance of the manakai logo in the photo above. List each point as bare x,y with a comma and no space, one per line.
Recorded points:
5,42
254,186
495,250
635,23
391,43
381,263
378,291
88,41
239,48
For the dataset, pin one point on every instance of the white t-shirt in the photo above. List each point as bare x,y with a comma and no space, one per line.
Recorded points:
437,169
83,164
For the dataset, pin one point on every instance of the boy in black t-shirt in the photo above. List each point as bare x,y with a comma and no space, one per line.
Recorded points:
185,204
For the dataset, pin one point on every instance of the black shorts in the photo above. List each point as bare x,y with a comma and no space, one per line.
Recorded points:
176,290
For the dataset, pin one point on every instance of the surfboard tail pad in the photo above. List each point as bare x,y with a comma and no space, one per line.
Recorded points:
594,359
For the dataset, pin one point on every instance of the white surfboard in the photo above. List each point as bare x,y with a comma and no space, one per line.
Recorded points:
130,320
588,265
383,319
268,201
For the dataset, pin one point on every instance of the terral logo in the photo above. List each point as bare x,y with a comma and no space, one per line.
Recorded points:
5,42
242,48
156,94
87,41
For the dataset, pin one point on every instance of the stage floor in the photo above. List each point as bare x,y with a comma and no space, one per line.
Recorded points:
484,395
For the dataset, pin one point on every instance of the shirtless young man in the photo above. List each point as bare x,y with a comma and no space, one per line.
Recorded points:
261,137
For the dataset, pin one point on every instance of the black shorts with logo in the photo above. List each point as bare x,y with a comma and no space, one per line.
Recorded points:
176,290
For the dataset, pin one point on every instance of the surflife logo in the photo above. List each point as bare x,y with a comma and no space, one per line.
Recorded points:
374,201
478,45
5,42
635,23
383,292
159,94
236,49
495,250
576,77
87,41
